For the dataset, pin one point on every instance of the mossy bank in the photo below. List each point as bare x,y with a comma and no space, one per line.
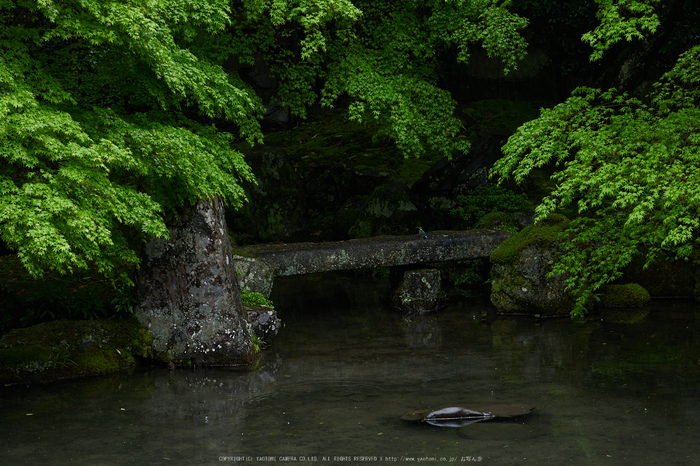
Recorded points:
65,349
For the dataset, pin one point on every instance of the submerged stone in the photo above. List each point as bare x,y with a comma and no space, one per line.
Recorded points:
451,417
65,349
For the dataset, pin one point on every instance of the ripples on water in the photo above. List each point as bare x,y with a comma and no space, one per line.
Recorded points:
345,367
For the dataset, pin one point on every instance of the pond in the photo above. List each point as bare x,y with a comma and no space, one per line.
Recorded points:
616,389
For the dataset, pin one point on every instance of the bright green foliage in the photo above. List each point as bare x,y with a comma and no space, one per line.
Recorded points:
107,107
96,143
621,19
632,169
382,55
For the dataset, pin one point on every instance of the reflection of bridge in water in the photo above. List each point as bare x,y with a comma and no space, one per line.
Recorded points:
258,265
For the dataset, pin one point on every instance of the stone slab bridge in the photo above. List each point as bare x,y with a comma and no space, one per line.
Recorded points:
258,265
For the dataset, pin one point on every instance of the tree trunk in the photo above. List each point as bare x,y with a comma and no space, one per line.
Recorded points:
188,293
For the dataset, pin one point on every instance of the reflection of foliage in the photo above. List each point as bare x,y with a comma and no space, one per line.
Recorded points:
487,199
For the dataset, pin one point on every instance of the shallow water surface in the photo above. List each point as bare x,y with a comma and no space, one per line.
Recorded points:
345,367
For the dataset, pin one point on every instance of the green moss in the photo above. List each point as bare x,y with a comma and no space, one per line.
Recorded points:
65,349
252,298
629,295
490,198
545,233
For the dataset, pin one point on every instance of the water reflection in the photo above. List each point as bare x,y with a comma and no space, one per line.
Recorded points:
346,366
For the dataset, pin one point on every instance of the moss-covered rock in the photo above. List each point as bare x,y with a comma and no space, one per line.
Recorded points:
519,281
628,295
70,348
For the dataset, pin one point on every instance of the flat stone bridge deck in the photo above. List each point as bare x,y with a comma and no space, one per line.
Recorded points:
258,265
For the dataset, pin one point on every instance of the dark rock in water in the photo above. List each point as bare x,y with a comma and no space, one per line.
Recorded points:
458,417
65,349
264,322
420,291
277,202
628,295
188,294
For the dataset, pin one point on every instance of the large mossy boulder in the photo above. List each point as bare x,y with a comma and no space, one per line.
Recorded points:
65,349
519,274
387,211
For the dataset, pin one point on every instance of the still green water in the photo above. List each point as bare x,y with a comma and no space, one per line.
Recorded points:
332,386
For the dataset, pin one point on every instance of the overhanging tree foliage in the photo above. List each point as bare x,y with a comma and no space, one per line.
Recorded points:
95,138
111,112
631,167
